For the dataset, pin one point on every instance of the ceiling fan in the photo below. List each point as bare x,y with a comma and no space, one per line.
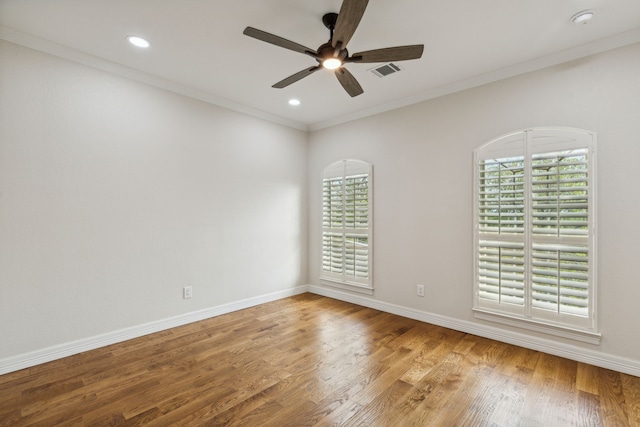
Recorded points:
333,55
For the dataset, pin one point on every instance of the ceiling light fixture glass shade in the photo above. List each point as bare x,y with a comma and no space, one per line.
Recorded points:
138,41
582,17
294,102
331,63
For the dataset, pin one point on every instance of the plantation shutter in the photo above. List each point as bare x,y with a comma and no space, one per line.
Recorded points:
500,225
346,223
501,272
534,227
560,279
560,196
560,210
502,195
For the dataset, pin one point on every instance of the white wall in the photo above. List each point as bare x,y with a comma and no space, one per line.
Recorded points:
422,157
114,195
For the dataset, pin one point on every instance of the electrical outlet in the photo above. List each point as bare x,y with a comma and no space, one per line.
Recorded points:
420,290
187,292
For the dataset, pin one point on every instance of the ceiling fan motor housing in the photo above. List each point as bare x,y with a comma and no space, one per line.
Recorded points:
328,51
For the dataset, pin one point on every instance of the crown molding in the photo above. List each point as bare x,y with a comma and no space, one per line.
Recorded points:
79,57
598,46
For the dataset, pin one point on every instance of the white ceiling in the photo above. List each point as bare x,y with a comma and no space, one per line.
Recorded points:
198,47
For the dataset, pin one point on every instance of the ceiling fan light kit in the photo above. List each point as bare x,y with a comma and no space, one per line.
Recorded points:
333,55
331,63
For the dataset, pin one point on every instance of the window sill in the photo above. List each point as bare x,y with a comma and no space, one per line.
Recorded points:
532,325
349,286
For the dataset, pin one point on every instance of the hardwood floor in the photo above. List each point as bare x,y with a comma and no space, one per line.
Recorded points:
314,361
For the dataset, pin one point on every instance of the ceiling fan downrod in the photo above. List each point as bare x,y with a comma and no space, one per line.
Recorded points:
329,20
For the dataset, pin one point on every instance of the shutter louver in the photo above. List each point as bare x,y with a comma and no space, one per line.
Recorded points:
332,252
560,279
357,256
560,193
502,195
501,272
332,203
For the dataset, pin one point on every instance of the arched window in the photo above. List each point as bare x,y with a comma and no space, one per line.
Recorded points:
347,225
535,241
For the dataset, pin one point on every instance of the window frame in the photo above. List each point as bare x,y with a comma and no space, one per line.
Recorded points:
527,144
344,170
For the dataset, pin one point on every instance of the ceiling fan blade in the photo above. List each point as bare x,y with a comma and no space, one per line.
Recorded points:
348,82
398,53
349,17
295,77
278,41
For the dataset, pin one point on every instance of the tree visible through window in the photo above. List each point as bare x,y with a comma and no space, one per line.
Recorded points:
534,222
346,223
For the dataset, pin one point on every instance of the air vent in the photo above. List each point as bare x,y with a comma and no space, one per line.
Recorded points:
385,70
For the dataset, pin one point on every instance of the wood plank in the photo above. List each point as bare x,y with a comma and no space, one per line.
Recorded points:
588,414
312,361
587,378
612,398
631,393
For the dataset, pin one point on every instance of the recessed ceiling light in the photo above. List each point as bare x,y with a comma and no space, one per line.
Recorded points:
294,102
582,17
138,41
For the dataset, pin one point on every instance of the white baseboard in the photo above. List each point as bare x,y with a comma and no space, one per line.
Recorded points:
580,354
603,360
49,354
